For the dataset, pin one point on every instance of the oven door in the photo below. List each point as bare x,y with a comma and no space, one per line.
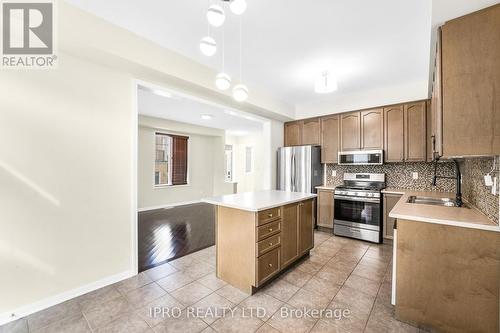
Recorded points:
358,212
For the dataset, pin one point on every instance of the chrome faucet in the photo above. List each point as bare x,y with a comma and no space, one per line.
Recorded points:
458,178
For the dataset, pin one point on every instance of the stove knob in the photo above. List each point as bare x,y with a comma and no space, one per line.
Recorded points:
370,194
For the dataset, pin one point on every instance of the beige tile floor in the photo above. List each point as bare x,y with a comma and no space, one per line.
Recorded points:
339,274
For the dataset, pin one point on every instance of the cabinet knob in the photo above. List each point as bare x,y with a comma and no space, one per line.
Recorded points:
270,244
270,215
270,265
270,229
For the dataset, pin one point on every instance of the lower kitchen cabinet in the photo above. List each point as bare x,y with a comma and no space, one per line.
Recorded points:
305,230
253,247
390,200
325,208
447,277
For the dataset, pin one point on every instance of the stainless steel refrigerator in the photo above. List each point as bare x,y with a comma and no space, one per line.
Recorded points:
299,169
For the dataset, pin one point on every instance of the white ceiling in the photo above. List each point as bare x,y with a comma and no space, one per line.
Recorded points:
286,43
188,110
381,45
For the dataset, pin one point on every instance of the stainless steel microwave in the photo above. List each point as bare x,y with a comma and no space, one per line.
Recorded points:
361,157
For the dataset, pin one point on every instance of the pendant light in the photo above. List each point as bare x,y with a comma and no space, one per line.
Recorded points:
216,15
325,83
223,80
240,91
208,46
238,7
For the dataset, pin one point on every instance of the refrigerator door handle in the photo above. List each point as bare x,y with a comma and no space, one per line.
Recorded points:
294,168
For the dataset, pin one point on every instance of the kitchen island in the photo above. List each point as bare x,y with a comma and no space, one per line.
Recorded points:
259,234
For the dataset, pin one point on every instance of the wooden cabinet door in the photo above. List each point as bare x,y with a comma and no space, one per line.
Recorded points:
471,84
394,133
293,133
325,208
436,113
306,237
311,132
372,129
390,200
289,234
415,132
350,131
330,127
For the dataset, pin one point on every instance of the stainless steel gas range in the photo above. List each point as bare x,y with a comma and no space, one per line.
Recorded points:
358,206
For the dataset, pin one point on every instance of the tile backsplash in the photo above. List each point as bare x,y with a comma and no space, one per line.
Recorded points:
399,175
474,189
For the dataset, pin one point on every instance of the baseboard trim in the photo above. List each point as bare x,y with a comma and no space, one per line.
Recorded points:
172,205
60,298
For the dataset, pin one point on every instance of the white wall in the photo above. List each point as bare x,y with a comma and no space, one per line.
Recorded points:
264,146
65,180
205,163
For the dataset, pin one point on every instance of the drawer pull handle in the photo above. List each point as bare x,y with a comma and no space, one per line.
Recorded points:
270,229
270,265
270,215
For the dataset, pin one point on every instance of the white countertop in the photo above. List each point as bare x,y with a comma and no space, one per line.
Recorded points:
259,200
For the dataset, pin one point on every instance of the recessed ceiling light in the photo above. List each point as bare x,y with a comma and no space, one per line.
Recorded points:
325,83
237,133
206,116
162,93
231,112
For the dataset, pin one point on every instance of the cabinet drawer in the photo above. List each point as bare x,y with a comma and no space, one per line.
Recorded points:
268,230
268,244
267,265
269,215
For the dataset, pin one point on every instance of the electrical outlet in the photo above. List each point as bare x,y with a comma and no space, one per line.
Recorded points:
414,175
334,173
488,181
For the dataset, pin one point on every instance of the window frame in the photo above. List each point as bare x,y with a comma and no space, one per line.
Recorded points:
169,185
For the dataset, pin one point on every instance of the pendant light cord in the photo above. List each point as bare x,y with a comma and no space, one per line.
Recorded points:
241,56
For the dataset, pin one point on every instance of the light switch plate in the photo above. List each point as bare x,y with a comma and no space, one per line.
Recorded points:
488,181
494,188
414,175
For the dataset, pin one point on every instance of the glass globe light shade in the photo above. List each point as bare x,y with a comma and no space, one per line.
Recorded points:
223,81
240,93
208,46
216,15
238,7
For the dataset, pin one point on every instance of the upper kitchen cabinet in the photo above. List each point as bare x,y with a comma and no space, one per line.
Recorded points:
302,132
470,59
311,132
293,133
405,132
436,114
330,138
394,133
350,131
372,129
415,132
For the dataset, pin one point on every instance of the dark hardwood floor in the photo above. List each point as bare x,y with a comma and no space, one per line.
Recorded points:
167,234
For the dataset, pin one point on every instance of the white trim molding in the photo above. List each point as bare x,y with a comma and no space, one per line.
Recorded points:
60,298
172,205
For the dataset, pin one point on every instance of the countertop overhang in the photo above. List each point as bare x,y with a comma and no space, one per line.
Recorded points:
466,217
259,200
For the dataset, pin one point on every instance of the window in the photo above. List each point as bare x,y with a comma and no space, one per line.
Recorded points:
229,163
248,159
170,159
